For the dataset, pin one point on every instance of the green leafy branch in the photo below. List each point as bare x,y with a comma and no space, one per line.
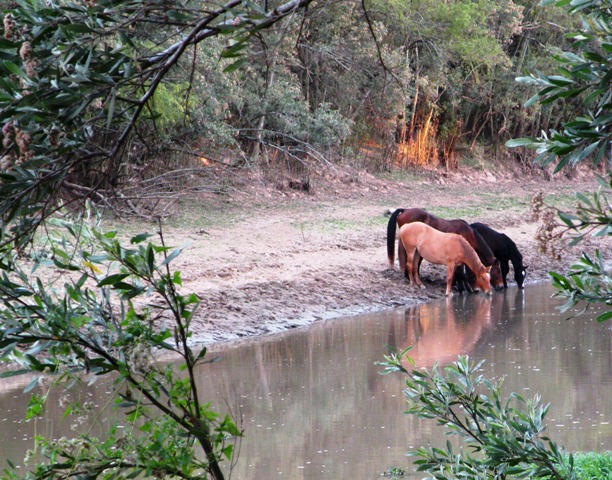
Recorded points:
117,309
504,437
584,75
588,280
78,79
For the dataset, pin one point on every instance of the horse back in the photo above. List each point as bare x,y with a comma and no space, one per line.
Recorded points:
482,248
476,241
501,244
434,245
513,252
410,215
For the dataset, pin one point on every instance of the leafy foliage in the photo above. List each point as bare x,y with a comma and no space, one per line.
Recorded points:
586,75
76,80
87,306
503,437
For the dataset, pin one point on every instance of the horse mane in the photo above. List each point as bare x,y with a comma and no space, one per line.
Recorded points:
515,256
472,260
483,250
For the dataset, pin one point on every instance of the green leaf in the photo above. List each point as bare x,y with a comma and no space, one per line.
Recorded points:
235,50
111,110
522,142
585,152
113,279
33,384
532,100
235,65
560,81
150,259
175,253
568,218
14,373
201,354
35,407
604,316
14,69
140,238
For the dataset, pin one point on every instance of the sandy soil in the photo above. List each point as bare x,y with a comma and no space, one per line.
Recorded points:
284,259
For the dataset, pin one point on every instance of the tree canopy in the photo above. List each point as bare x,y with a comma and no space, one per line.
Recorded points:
107,100
77,94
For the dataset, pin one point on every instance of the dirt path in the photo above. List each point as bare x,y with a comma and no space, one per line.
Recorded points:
287,261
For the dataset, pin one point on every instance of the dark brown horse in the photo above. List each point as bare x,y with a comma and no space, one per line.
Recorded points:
402,216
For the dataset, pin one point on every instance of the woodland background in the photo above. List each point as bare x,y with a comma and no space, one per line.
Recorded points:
370,85
424,83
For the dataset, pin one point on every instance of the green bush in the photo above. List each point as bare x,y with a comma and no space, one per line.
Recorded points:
504,437
84,306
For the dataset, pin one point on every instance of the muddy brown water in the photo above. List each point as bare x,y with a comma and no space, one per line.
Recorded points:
314,406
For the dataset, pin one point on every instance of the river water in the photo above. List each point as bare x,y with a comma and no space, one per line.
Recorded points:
314,406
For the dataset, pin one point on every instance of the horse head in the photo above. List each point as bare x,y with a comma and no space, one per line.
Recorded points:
483,280
519,275
497,280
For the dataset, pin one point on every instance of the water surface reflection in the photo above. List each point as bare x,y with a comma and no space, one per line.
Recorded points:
314,406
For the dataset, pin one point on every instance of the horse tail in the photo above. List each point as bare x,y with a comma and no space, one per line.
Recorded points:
391,227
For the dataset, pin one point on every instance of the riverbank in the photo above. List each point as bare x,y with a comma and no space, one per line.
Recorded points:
264,260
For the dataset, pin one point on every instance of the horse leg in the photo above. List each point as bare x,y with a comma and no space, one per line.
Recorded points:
457,281
450,272
462,279
401,258
470,279
416,262
410,259
505,268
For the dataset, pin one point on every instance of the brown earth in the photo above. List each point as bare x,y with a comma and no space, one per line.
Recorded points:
266,260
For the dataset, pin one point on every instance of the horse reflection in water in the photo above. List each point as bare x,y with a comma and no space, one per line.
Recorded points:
441,332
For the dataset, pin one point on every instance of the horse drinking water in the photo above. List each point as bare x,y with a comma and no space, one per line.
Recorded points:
450,249
505,250
402,216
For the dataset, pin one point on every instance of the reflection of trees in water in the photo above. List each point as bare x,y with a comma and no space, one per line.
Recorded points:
309,390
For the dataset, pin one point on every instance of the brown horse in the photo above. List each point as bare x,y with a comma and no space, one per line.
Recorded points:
450,249
402,216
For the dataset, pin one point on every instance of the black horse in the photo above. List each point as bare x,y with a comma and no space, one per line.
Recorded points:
505,251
